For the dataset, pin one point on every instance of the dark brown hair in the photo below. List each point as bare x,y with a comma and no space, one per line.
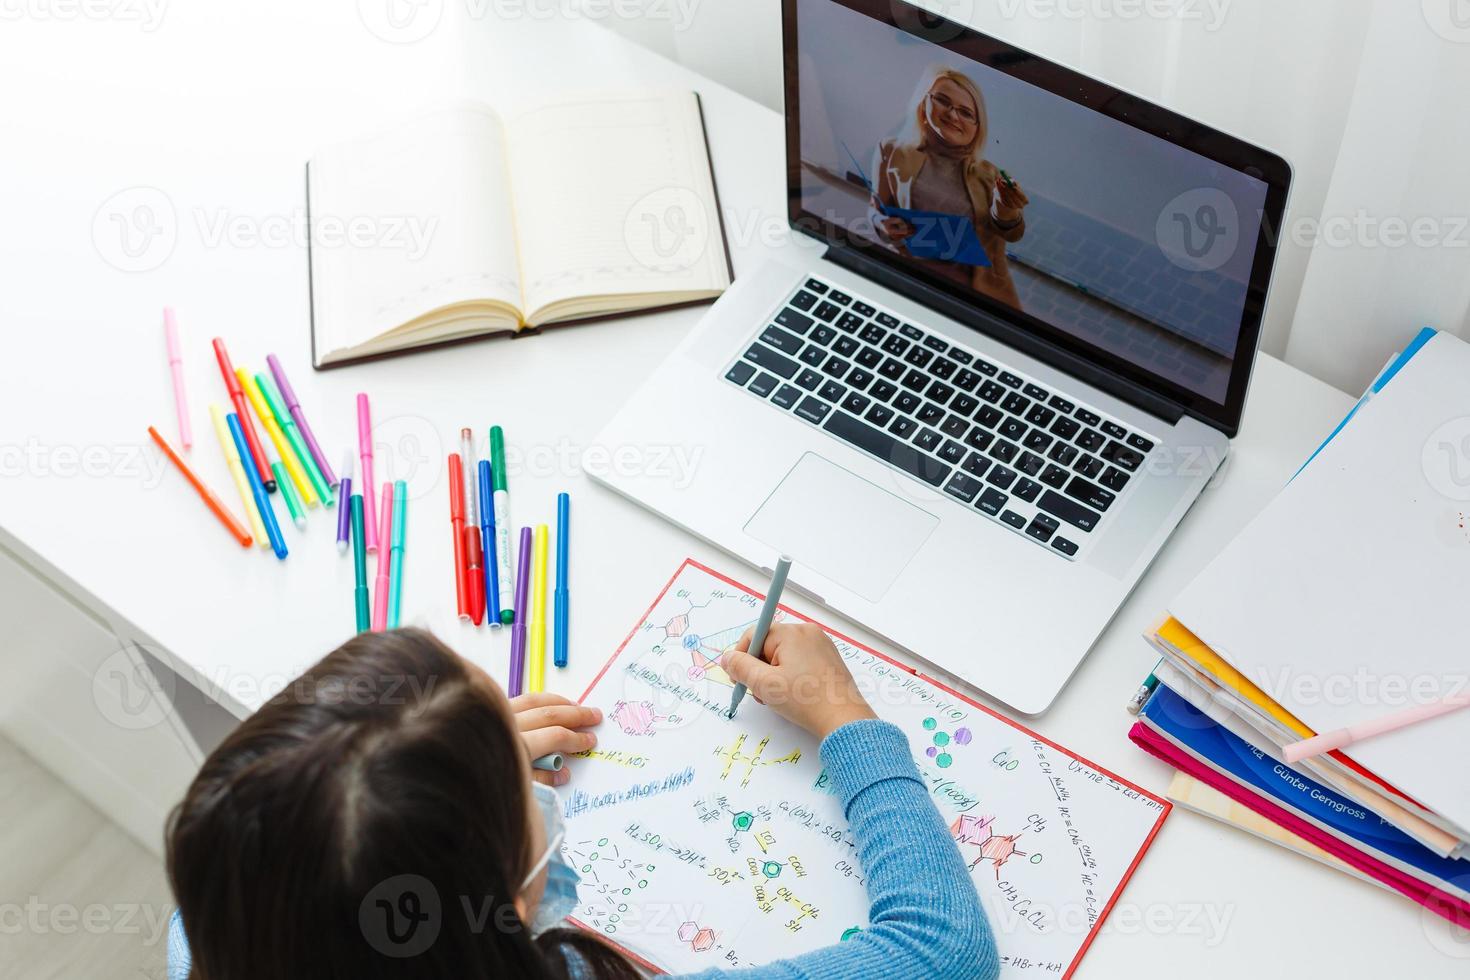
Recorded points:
368,821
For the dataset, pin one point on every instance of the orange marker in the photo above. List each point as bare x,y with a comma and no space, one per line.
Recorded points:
207,495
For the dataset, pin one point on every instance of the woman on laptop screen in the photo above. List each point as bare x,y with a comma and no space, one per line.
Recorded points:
938,199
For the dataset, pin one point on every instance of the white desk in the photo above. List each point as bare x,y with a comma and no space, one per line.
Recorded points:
218,110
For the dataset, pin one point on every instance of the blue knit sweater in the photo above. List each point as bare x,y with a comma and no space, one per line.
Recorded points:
925,919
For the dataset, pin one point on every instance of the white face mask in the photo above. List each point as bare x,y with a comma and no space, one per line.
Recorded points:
560,895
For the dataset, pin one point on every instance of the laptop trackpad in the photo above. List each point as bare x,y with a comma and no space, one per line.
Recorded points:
845,528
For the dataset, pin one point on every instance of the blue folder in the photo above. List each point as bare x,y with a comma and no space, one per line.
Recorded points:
937,234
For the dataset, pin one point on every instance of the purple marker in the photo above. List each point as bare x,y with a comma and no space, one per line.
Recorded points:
518,628
294,407
344,514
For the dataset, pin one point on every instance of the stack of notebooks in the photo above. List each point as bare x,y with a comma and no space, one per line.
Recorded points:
1345,601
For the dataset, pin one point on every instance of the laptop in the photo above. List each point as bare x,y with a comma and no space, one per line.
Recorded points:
974,419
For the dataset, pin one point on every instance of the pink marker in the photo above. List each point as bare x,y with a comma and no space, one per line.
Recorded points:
1342,738
385,533
176,365
365,451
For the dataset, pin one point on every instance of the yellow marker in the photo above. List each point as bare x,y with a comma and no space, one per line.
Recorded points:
237,470
278,438
537,639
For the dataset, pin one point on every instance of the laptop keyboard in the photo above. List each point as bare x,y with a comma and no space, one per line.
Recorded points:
990,437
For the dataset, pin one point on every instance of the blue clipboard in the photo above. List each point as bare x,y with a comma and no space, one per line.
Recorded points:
937,234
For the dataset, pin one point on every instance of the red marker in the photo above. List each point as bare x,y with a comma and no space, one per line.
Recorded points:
475,573
456,521
237,396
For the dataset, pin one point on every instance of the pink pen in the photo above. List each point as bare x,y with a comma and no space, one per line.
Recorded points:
385,532
176,365
365,451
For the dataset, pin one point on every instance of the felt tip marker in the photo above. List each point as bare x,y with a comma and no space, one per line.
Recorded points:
257,489
456,524
359,566
385,561
501,502
211,500
562,599
395,568
294,406
517,680
537,627
487,546
474,549
304,463
256,456
272,429
176,368
237,473
365,451
344,492
294,505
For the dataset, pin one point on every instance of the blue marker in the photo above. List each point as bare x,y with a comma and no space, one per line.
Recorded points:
487,536
262,501
563,516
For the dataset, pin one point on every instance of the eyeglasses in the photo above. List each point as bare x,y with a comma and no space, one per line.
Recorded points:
943,103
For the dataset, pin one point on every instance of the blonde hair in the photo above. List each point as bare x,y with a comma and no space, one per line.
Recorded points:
917,130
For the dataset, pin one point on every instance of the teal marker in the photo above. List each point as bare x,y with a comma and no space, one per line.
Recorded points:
395,555
359,565
293,499
293,436
501,499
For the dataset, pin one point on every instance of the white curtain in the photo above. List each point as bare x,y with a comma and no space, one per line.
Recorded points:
1366,98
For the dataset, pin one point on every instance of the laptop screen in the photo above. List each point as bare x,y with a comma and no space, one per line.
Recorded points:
1118,231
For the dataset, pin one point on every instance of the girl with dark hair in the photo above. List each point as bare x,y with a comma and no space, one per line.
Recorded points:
380,818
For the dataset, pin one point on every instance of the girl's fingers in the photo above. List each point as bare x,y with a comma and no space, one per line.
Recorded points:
565,715
544,741
540,699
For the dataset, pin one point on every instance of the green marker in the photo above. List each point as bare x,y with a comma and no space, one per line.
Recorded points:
1007,178
293,499
502,524
395,554
293,436
359,565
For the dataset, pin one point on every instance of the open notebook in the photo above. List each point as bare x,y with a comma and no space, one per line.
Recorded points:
460,223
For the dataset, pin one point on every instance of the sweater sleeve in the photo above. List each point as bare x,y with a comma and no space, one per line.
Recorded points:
925,918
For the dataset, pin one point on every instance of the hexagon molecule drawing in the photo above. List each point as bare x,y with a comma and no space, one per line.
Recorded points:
699,938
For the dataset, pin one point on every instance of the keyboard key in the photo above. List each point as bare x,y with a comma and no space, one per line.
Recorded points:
1114,479
873,334
1115,430
988,416
960,356
955,426
1014,520
919,357
915,380
803,300
1091,440
943,368
985,367
859,379
888,449
892,369
1004,451
940,392
846,346
1016,404
888,320
1027,490
928,440
827,312
794,321
1088,466
1040,415
1120,455
810,380
966,380
1061,404
1090,494
814,355
910,331
964,405
740,373
979,439
903,426
1030,464
778,364
815,286
822,335
832,391
864,309
1042,528
908,402
930,414
1140,443
882,391
1037,441
879,415
1001,476
1065,428
1054,476
786,343
1063,454
951,452
992,501
854,403
869,358
963,487
764,385
849,322
1069,510
895,345
991,392
1007,378
835,367
787,396
1085,417
1012,429
1037,392
975,465
1064,546
813,410
935,344
839,297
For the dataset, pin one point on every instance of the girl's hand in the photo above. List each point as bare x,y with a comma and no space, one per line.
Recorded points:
1009,200
801,676
550,723
895,229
